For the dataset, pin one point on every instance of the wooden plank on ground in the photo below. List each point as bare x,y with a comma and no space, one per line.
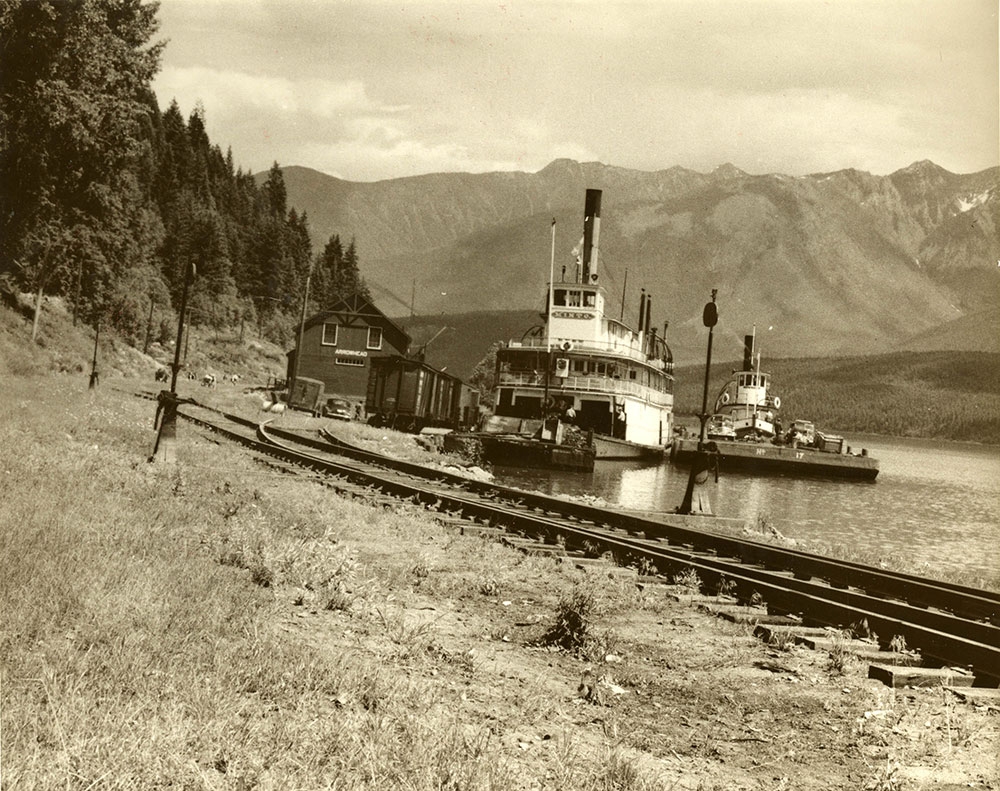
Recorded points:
859,648
480,530
769,633
735,613
897,676
978,696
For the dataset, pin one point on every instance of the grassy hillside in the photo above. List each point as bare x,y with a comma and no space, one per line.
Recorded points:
942,394
68,349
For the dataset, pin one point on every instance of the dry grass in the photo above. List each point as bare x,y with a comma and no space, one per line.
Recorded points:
224,626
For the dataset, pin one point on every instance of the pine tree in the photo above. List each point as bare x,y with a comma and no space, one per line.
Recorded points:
74,86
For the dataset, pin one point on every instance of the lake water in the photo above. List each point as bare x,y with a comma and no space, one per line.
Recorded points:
935,505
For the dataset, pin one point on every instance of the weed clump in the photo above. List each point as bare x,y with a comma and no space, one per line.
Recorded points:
574,620
575,629
841,657
689,580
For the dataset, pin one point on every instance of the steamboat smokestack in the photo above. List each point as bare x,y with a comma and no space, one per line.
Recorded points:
591,235
748,352
649,312
642,310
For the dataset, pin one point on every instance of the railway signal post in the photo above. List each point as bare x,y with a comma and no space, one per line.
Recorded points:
165,421
706,458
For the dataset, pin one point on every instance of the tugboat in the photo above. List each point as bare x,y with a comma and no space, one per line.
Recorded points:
583,386
747,430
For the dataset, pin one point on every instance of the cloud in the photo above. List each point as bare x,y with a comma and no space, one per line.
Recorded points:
232,92
374,89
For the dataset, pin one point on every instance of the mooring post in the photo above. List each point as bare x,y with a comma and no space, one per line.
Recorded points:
706,458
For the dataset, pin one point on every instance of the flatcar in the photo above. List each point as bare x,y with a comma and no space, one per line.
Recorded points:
408,394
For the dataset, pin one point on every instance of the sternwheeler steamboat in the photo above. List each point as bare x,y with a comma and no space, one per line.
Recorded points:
583,386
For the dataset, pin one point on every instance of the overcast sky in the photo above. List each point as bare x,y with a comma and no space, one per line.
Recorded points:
369,90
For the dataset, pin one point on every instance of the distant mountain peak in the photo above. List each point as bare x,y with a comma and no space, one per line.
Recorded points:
728,170
923,167
561,163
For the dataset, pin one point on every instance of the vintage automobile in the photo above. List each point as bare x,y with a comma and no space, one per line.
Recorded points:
720,427
803,432
337,408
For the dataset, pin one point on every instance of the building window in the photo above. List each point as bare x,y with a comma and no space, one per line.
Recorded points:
357,362
374,337
329,335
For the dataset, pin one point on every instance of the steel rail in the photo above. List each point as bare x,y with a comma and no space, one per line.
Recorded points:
942,636
965,601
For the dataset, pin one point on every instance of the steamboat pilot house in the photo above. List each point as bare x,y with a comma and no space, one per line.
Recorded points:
588,368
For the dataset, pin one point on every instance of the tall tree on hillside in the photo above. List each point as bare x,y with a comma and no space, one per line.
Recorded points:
337,274
352,282
275,192
329,262
74,82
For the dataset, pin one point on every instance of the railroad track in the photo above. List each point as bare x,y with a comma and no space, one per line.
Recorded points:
951,625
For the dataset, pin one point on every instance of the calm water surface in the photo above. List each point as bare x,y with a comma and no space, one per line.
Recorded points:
935,504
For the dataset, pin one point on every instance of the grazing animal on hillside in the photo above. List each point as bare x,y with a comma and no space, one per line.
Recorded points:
191,375
235,378
208,380
162,375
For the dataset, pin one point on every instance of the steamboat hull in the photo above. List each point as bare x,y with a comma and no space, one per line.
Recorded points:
507,451
613,449
802,461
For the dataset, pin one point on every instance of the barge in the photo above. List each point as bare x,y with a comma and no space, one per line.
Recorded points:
801,460
584,386
747,432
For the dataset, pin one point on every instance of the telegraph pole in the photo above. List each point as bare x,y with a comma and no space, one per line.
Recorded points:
302,329
176,367
149,326
94,375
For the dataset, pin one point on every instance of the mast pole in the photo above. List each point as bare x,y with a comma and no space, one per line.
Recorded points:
552,276
621,316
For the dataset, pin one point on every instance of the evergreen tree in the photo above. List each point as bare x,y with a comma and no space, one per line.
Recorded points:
73,91
337,274
328,265
108,199
275,194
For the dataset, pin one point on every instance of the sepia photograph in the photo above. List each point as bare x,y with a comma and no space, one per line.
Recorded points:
461,395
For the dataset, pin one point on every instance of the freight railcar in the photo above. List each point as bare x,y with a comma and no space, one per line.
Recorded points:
408,394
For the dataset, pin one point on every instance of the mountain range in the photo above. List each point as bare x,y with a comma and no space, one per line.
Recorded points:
844,262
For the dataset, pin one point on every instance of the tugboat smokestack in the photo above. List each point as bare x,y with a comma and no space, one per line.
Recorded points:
591,235
748,352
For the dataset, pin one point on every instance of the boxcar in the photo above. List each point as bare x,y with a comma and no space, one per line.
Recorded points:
408,394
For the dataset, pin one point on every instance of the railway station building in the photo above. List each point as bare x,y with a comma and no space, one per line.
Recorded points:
338,347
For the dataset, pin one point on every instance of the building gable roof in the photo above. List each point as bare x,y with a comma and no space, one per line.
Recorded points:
355,310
